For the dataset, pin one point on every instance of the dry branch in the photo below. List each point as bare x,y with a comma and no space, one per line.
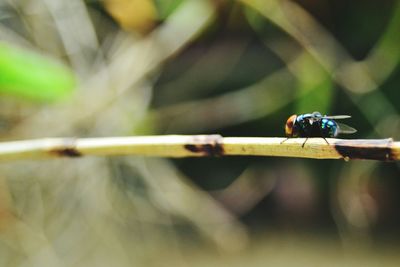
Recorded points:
202,146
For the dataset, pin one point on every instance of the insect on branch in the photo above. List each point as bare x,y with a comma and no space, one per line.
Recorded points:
202,146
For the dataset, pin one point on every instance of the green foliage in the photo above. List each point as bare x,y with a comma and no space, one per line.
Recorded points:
30,75
166,7
314,84
314,87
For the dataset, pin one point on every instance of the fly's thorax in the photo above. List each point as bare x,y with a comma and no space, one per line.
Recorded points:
305,126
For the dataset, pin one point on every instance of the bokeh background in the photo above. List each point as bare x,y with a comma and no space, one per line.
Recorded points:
236,68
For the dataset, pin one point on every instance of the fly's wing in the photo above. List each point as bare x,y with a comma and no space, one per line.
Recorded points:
337,117
316,114
345,129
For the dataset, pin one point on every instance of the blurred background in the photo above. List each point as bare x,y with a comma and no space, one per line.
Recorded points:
237,68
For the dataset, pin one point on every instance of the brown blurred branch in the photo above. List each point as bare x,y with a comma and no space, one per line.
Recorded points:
202,146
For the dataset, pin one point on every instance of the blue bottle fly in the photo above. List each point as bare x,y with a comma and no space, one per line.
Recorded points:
316,125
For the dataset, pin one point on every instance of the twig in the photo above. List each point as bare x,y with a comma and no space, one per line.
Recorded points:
202,146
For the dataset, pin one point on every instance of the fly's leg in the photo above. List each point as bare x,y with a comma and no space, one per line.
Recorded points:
287,138
304,142
320,131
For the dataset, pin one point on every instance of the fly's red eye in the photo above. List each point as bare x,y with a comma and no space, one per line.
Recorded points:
289,125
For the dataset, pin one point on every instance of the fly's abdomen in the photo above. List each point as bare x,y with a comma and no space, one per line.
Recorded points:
329,128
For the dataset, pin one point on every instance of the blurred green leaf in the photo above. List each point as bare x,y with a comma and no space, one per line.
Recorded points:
30,75
166,7
255,19
314,86
385,56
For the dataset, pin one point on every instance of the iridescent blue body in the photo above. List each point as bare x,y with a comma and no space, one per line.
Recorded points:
314,125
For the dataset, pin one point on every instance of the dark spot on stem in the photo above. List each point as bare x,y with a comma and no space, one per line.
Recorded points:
206,149
366,149
66,152
68,149
207,145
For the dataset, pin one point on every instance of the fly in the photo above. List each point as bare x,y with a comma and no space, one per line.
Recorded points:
316,125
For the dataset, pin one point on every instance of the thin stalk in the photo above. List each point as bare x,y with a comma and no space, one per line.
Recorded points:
202,146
